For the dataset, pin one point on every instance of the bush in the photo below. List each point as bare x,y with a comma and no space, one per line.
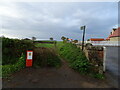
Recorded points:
88,45
9,69
13,48
98,75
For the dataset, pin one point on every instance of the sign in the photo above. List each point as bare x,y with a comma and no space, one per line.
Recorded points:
82,27
29,58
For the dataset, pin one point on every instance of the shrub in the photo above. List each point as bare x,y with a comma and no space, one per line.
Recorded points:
9,69
81,66
98,75
88,45
75,57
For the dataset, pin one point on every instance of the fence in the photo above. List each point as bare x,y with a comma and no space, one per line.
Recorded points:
102,43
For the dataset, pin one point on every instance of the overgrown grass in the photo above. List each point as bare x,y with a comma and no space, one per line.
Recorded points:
9,69
77,59
46,57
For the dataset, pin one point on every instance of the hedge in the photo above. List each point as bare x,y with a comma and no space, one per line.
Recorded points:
13,48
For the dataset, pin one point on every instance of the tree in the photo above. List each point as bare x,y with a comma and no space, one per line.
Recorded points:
67,39
76,41
33,38
88,40
51,38
64,39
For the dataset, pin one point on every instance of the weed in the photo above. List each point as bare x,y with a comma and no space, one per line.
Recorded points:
45,57
9,69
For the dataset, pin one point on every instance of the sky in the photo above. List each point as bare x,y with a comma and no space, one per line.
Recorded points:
56,19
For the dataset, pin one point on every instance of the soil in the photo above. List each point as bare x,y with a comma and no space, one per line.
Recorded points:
48,77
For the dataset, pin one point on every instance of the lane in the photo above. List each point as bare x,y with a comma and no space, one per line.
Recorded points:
112,57
63,77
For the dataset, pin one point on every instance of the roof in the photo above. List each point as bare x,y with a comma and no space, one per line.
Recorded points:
116,33
108,38
69,39
97,39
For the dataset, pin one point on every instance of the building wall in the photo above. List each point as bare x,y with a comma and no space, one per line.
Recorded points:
115,39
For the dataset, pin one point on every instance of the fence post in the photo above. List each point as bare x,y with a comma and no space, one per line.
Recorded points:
104,59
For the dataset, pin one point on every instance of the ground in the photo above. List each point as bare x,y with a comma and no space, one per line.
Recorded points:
49,77
63,77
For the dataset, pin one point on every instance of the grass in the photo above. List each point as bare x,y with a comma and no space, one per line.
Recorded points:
44,41
9,69
77,59
59,44
44,45
46,57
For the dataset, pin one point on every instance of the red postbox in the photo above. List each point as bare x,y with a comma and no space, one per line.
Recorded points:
29,58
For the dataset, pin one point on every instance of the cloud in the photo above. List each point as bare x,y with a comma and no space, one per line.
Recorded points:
9,10
44,19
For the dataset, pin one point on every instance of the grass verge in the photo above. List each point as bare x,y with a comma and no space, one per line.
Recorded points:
77,59
44,45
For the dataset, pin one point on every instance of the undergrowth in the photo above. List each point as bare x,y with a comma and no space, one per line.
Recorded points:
46,57
9,69
77,59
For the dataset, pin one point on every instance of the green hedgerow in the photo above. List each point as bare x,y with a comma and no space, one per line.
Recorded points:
13,48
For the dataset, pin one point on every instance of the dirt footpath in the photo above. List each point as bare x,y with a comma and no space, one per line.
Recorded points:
64,77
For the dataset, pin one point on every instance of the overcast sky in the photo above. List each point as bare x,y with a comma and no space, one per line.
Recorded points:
46,19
